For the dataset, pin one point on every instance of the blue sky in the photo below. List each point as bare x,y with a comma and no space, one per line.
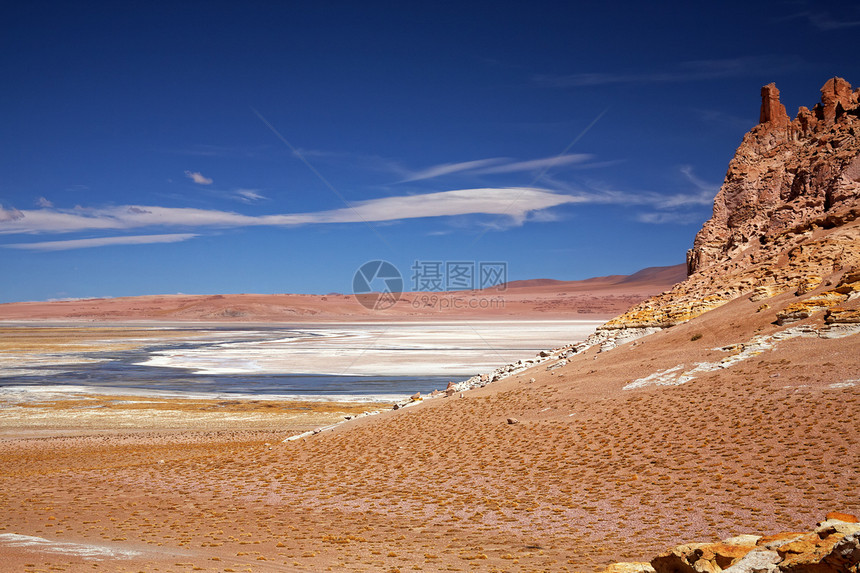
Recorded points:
214,147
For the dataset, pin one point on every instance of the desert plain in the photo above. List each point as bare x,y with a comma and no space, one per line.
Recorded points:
591,473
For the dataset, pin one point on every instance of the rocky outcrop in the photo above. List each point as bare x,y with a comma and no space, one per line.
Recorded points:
786,219
785,175
832,547
772,111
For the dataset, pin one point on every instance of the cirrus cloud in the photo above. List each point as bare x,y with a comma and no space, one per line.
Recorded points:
102,242
198,178
515,202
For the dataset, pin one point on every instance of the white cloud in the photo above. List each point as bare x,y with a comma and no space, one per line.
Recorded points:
198,177
497,165
669,217
537,164
249,195
102,242
42,202
516,202
10,215
449,168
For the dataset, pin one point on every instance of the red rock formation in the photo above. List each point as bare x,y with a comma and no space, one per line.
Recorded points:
772,111
782,178
786,217
836,97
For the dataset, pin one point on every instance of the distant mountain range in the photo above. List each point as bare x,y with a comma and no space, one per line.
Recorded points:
595,298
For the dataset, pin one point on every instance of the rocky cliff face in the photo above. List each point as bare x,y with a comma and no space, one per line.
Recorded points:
785,218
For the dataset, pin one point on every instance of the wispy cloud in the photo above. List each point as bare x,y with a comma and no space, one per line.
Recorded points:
537,164
9,215
198,178
223,151
515,205
449,168
517,202
823,21
356,160
249,195
658,218
42,202
681,207
694,70
496,165
725,119
101,242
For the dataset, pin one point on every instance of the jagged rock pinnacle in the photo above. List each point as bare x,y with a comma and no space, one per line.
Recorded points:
772,111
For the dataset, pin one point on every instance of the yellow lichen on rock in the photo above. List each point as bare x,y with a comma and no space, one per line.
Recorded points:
643,316
804,309
837,315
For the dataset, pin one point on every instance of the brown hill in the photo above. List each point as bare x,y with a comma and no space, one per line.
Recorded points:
600,297
647,279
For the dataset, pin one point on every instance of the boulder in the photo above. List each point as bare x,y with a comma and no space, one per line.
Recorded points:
833,547
837,315
629,567
700,558
756,561
845,554
839,516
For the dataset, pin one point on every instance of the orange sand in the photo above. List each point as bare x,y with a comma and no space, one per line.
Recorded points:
591,473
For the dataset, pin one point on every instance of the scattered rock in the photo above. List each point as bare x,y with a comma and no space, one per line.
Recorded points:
629,568
836,315
806,308
699,558
808,284
513,421
832,547
745,539
846,517
763,292
756,561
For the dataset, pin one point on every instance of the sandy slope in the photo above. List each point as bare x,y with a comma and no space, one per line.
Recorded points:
592,473
599,297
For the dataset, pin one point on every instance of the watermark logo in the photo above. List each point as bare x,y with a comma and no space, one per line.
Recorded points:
377,285
438,276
